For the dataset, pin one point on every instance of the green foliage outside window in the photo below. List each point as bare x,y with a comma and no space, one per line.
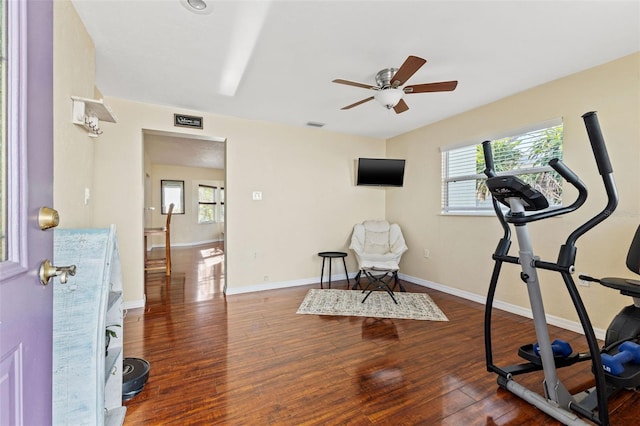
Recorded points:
526,155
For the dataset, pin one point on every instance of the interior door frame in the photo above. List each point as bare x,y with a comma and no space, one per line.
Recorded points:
147,184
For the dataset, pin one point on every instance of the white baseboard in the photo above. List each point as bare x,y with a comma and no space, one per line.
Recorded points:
504,306
133,304
284,284
190,244
269,286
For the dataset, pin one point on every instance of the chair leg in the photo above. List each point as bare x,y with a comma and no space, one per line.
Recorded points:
379,283
168,253
356,283
322,272
397,283
345,271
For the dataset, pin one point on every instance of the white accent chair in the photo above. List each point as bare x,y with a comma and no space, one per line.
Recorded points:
378,246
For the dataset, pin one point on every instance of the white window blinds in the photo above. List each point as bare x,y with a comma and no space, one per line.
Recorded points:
526,155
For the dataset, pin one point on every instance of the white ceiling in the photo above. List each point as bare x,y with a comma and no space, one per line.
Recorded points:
275,60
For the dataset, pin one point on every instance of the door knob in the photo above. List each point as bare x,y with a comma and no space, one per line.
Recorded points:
48,218
47,271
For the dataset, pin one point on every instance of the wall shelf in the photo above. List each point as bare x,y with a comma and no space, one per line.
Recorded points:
89,112
87,385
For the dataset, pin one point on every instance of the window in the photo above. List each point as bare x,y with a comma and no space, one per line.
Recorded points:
172,191
206,203
526,155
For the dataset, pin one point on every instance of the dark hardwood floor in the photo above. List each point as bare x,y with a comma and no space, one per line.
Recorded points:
249,359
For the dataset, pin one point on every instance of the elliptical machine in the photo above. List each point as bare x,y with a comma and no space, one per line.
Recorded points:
527,205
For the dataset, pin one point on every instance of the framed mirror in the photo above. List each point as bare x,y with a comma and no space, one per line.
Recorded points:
172,191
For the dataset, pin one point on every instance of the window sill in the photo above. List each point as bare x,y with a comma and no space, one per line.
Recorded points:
469,213
486,213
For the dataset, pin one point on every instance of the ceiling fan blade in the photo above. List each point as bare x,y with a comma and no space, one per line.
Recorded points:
358,103
353,83
443,86
401,107
406,70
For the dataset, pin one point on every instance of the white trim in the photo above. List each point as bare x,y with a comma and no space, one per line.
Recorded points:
485,213
134,304
285,284
563,323
269,286
191,244
504,306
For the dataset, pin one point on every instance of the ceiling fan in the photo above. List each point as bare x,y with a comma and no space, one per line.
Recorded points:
390,81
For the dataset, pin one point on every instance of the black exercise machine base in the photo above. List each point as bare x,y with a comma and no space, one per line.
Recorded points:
527,352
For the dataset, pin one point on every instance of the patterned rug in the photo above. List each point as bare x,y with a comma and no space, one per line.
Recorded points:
418,306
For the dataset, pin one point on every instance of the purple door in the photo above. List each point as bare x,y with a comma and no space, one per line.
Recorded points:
26,185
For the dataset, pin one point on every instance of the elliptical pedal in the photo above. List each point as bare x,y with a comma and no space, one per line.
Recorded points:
563,355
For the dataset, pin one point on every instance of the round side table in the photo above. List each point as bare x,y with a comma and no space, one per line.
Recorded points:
332,255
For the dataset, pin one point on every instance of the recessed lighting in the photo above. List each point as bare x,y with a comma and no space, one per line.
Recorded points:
197,6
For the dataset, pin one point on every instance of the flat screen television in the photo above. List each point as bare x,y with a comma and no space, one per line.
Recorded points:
380,172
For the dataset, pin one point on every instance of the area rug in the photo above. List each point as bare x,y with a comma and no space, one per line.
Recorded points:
417,306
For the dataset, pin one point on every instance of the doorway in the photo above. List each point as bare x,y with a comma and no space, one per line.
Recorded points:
199,163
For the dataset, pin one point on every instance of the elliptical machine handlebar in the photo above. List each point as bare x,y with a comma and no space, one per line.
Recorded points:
488,159
505,242
597,142
601,155
568,175
556,164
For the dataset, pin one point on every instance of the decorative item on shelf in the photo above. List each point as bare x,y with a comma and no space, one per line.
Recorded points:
88,113
109,334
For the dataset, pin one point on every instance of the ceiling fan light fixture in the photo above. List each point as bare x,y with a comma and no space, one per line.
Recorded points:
389,97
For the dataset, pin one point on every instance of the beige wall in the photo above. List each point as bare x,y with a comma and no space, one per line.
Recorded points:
461,246
310,202
73,72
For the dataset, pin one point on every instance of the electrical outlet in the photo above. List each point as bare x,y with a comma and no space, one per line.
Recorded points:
426,253
257,195
266,277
